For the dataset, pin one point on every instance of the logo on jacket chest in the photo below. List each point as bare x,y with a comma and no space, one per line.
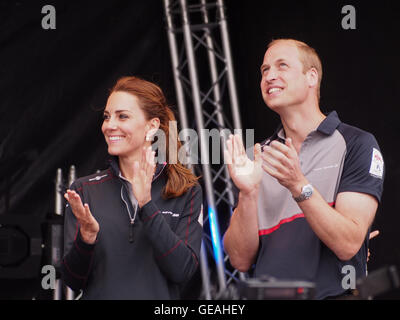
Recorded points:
97,178
170,213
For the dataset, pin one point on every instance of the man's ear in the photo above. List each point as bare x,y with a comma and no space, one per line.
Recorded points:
312,77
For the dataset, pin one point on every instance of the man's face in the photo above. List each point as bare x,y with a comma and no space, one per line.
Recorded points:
283,82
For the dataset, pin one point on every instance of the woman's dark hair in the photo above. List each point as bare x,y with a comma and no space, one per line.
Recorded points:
153,103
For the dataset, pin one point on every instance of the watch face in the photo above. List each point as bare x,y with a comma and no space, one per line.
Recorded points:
307,191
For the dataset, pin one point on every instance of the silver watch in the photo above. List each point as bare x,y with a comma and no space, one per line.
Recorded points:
306,193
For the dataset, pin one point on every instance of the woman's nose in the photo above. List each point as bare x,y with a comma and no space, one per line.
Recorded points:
110,123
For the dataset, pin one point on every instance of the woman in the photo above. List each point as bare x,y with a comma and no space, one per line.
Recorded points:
132,231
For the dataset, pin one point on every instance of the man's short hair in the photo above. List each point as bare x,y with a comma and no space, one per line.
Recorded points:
308,57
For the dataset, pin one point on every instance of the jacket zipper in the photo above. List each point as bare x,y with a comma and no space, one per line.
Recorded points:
132,220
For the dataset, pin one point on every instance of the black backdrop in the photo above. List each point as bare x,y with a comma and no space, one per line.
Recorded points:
53,83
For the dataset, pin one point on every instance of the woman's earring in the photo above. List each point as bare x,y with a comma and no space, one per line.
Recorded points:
150,134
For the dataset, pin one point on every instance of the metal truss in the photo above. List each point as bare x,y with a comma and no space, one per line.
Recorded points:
204,80
61,291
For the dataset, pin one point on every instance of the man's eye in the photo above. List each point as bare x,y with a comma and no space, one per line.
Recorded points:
283,65
264,70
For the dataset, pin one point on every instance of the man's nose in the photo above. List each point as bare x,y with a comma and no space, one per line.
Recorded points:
271,75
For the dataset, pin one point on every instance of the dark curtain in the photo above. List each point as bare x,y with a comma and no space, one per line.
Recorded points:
360,81
54,83
53,86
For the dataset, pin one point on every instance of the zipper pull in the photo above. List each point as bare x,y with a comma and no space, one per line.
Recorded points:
131,238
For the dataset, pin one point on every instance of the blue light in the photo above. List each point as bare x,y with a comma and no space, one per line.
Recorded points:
215,236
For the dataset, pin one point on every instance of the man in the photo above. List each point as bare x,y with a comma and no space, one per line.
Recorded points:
308,199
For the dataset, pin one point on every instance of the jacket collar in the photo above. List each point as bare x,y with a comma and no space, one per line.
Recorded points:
113,162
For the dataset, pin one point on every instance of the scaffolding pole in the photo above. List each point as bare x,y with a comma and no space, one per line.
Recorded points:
197,32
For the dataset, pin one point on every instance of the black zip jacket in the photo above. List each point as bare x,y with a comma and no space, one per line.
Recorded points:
166,238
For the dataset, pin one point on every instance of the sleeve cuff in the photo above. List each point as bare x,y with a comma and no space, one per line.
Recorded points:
83,246
148,211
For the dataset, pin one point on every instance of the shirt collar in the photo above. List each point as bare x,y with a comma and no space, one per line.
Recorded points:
327,126
279,135
330,123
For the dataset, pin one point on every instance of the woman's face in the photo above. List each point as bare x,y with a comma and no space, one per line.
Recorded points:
124,125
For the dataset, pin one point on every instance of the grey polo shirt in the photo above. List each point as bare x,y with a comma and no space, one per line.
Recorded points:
335,158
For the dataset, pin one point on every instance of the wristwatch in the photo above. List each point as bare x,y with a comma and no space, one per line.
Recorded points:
306,193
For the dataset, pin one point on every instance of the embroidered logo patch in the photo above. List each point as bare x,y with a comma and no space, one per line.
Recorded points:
174,215
377,164
97,178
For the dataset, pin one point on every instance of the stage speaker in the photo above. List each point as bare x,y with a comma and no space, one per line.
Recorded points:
20,246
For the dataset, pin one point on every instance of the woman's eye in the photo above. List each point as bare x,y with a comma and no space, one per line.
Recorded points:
283,65
106,117
123,116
